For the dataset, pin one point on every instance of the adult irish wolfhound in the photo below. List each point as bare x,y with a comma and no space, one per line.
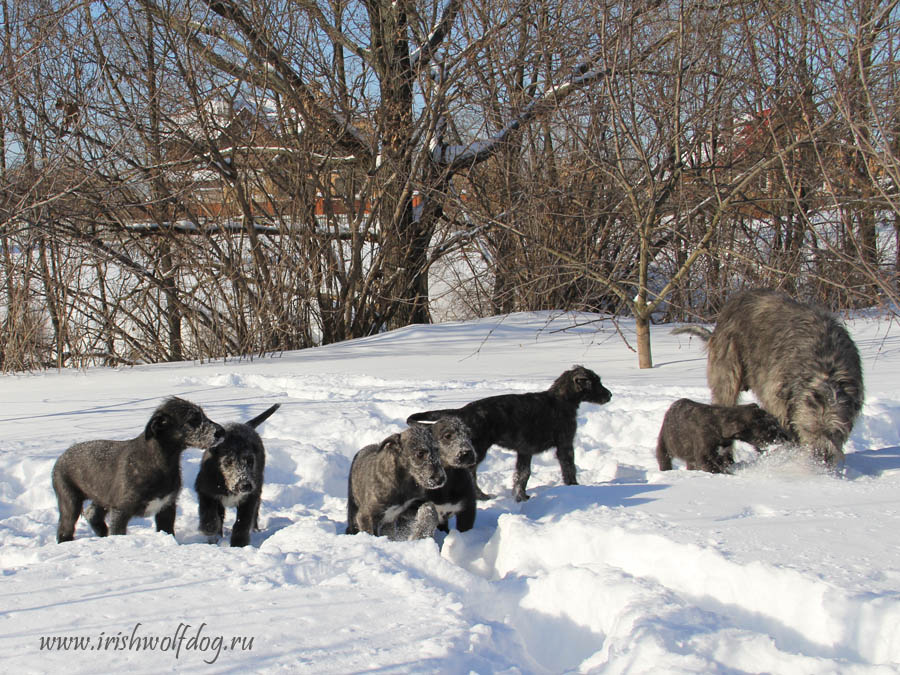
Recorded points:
797,359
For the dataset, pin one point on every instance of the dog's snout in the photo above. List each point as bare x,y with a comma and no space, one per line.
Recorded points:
466,458
245,486
437,479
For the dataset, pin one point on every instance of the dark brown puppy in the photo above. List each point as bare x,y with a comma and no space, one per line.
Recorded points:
702,435
797,359
231,474
528,423
138,477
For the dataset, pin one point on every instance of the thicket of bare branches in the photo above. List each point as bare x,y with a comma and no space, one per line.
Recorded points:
209,178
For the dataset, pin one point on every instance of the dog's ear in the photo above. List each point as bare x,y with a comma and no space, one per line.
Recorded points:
157,424
391,443
583,382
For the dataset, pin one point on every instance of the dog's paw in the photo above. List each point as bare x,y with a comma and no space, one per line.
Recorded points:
426,522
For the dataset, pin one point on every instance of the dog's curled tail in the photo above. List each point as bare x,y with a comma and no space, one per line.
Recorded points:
697,331
263,416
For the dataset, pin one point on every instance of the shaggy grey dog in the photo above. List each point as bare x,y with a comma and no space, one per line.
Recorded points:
528,423
231,474
797,359
456,497
138,477
388,478
702,435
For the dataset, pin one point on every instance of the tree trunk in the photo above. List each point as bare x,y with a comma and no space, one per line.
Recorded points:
404,297
645,358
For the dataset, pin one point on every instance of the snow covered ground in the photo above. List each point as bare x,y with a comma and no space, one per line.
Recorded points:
779,568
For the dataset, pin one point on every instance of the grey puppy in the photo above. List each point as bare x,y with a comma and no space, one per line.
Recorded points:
388,478
797,359
231,474
703,435
528,423
138,477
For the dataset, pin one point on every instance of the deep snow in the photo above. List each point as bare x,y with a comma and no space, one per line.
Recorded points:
780,568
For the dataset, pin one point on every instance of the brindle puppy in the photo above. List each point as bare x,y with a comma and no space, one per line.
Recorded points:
386,479
703,435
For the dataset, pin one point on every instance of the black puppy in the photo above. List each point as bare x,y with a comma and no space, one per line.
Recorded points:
231,474
388,478
528,423
703,435
138,477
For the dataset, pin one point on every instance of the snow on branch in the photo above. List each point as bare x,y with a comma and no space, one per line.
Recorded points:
586,73
423,55
457,157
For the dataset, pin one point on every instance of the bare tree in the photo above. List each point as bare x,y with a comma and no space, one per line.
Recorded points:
222,177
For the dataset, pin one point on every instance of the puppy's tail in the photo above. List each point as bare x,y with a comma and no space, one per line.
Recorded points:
263,416
697,331
429,415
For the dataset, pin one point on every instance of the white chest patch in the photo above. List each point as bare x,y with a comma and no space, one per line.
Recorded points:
394,512
448,509
154,506
232,500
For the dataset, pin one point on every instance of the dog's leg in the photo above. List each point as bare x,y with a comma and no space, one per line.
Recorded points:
520,478
709,462
725,459
118,521
210,510
165,519
352,509
365,522
240,533
465,519
256,514
565,453
662,455
69,509
724,374
96,517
